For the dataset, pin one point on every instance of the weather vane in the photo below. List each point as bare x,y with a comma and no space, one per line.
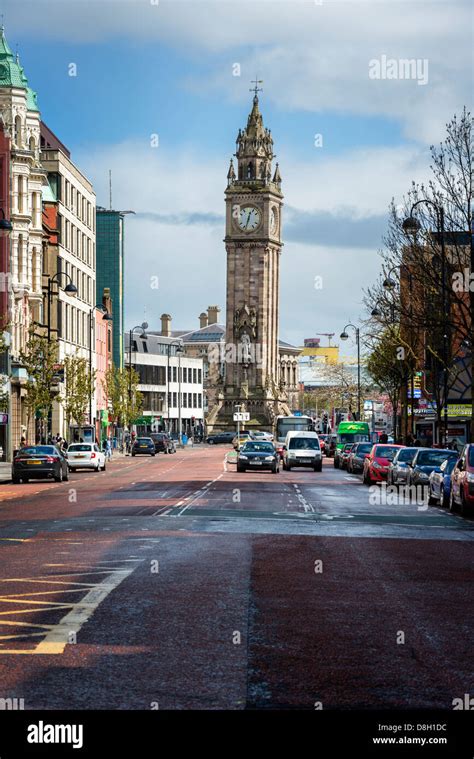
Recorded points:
256,89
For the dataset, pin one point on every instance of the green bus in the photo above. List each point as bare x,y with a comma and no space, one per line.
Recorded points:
350,432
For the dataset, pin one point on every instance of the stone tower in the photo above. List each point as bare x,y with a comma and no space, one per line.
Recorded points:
253,243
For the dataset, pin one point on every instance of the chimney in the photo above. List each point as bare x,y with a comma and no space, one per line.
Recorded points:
203,320
213,314
166,325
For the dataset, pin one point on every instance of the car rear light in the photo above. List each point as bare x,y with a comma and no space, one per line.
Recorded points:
52,459
92,455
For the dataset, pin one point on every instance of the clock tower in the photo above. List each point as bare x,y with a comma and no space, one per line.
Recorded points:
253,243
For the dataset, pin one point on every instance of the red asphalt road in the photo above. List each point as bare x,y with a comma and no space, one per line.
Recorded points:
168,613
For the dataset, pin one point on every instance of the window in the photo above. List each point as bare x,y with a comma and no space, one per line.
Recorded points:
145,346
175,400
175,374
169,373
199,376
20,258
185,374
18,132
199,400
194,400
194,376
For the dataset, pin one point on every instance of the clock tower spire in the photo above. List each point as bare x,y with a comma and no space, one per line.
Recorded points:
253,244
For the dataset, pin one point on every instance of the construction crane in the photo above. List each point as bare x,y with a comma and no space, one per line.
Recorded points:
329,335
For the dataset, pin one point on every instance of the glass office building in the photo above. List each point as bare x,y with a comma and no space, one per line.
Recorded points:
110,272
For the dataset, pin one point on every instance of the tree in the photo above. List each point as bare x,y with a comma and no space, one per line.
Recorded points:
40,361
385,366
435,313
121,387
78,388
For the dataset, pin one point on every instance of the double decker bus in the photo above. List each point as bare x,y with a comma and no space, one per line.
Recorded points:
284,424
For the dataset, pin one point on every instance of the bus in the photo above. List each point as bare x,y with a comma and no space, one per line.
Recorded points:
350,432
284,424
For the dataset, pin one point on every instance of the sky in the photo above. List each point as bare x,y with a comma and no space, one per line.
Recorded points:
161,88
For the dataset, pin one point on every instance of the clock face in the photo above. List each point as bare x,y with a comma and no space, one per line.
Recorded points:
249,219
273,220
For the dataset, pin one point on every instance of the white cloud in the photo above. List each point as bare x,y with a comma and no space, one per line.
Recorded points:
190,260
312,57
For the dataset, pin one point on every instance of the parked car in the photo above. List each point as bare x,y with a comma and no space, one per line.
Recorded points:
256,454
440,483
462,481
163,442
302,449
400,466
220,437
85,456
144,445
357,456
238,441
377,462
261,435
425,461
344,455
39,462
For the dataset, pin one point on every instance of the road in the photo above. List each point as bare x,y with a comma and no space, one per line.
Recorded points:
176,583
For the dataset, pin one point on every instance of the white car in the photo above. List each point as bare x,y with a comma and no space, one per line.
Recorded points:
85,456
262,435
302,449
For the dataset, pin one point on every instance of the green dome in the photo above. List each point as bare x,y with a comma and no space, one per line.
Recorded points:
11,73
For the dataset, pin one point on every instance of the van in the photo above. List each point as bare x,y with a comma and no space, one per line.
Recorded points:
302,449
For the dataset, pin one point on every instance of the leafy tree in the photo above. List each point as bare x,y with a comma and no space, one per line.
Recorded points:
125,400
386,367
39,359
78,388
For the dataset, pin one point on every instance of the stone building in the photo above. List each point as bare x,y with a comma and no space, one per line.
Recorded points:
20,117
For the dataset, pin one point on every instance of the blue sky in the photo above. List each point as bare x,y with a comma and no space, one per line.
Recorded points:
168,69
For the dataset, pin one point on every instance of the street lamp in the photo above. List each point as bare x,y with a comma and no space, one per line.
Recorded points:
70,289
143,327
108,318
179,350
411,226
345,336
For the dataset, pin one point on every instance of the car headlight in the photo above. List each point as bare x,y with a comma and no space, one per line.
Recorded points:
242,456
376,465
268,458
422,475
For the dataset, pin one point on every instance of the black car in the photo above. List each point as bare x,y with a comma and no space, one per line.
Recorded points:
143,445
39,462
258,455
220,437
163,443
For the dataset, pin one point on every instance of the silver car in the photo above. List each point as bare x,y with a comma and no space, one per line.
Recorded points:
400,466
85,456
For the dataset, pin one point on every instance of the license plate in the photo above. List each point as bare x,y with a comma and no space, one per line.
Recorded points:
79,456
256,463
34,461
303,461
143,446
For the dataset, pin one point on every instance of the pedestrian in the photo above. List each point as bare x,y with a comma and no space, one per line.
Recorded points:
108,449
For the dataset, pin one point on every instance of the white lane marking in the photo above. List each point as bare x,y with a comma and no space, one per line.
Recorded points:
307,507
199,493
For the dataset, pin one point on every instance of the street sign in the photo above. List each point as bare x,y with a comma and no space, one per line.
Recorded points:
242,416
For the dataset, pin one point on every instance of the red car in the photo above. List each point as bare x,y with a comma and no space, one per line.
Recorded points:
377,462
462,481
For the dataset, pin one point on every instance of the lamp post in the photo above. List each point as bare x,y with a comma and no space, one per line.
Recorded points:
69,289
179,351
411,226
108,318
143,327
345,336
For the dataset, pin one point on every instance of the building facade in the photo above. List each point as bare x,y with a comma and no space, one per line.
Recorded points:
5,390
103,362
70,256
20,116
171,385
110,272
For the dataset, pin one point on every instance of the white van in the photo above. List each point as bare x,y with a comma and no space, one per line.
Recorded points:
302,449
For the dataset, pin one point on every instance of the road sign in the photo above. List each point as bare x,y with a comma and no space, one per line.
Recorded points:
242,416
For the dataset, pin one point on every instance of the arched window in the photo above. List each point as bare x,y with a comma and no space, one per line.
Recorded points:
249,171
32,144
